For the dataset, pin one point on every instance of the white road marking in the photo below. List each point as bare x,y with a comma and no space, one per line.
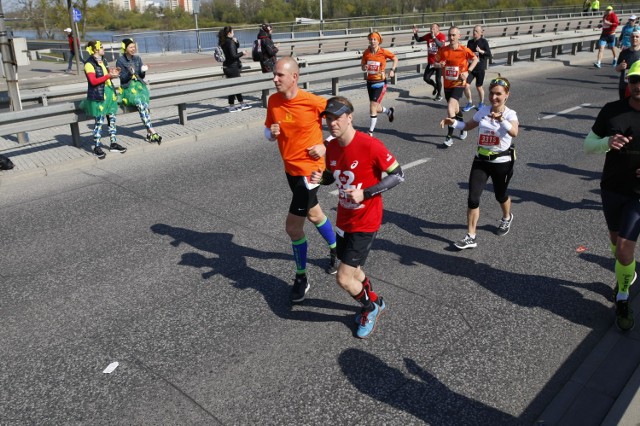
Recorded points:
566,111
404,167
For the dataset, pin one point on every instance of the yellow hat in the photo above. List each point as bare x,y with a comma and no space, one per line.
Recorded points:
609,7
635,69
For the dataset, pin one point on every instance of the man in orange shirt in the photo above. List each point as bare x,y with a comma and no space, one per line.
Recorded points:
456,61
374,61
293,119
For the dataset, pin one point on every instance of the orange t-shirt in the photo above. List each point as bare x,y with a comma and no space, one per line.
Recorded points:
456,62
376,63
300,128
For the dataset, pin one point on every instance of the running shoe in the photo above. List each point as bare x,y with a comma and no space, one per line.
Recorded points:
153,138
613,64
505,225
624,316
244,106
390,114
370,133
300,288
597,64
466,242
463,134
379,302
368,321
448,142
115,147
233,108
468,107
480,105
435,92
438,98
99,152
333,263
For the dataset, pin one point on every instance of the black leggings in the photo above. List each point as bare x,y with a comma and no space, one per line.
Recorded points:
232,72
500,174
428,72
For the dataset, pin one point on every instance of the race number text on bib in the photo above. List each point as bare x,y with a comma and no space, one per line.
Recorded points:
488,138
451,73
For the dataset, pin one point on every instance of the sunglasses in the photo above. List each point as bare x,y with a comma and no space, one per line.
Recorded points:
634,79
499,82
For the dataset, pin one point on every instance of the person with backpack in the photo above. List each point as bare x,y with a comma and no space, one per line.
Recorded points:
232,66
265,50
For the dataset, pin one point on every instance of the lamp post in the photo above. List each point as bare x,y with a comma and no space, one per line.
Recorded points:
196,10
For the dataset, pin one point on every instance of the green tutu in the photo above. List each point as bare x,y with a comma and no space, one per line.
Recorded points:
137,92
106,107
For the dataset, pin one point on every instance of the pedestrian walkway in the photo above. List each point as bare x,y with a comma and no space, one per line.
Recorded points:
605,386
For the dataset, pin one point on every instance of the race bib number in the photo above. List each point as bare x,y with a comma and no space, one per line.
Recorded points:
488,140
433,48
373,67
452,73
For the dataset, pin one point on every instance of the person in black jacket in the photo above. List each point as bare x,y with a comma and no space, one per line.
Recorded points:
269,50
480,46
232,65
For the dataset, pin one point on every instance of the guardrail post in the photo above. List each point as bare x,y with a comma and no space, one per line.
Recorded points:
335,87
75,134
554,51
182,114
265,97
574,48
44,99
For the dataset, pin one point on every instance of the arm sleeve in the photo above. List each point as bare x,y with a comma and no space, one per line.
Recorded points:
327,178
594,144
439,41
96,81
487,49
394,177
233,51
139,64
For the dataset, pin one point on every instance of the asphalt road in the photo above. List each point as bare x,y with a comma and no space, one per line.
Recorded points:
176,265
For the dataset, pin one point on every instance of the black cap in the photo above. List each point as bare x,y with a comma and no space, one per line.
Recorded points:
336,108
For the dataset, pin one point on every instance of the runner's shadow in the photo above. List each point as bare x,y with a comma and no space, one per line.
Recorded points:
554,295
416,226
563,168
422,396
230,262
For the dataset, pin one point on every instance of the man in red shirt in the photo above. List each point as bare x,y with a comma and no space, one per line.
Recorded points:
457,61
72,49
355,162
608,37
435,40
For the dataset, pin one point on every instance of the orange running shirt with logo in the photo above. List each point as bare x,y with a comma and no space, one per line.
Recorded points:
456,62
376,63
300,128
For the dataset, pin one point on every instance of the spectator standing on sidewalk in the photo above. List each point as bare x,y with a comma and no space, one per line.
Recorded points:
456,61
608,36
627,58
374,62
133,88
72,49
480,46
269,49
293,119
616,132
101,102
355,162
231,67
595,6
435,40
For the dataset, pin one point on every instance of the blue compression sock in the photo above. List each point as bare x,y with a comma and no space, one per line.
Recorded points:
300,254
326,230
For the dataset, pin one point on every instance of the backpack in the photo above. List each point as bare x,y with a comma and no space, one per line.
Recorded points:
256,52
218,54
5,163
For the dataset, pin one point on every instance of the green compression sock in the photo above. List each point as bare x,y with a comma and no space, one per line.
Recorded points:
625,275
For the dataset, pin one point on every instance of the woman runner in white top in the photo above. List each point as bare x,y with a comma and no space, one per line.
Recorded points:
495,157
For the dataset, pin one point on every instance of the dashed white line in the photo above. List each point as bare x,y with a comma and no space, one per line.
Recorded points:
404,167
566,111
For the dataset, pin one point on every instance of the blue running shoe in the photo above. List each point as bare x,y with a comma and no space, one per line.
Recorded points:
368,321
480,105
380,303
613,64
468,107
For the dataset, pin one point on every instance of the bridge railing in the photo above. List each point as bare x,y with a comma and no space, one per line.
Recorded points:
314,68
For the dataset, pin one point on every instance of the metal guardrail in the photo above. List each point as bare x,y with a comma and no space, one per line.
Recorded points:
344,65
308,47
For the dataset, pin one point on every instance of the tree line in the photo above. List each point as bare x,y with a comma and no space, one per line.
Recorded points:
49,17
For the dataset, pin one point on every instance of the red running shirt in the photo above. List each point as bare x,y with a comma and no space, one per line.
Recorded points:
358,165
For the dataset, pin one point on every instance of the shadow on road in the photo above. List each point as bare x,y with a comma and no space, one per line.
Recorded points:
424,397
230,261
